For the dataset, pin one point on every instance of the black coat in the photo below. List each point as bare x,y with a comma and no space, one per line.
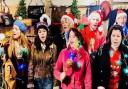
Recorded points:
101,68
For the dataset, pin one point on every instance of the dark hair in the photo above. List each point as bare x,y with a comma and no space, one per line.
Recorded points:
48,41
79,36
115,27
40,26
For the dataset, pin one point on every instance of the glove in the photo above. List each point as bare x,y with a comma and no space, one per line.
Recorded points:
62,76
30,86
100,87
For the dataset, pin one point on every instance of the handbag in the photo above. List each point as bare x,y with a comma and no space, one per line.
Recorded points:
35,11
10,74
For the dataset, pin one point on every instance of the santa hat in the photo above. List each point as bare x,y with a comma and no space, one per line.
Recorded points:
97,14
120,13
40,25
47,18
68,16
21,25
94,14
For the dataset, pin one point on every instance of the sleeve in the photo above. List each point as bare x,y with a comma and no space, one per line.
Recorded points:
31,63
54,54
59,65
103,38
54,50
30,69
88,76
97,75
95,70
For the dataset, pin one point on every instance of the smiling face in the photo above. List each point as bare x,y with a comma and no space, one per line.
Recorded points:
16,32
116,39
42,34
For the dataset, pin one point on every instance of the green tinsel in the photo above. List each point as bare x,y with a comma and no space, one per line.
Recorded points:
25,51
74,9
81,26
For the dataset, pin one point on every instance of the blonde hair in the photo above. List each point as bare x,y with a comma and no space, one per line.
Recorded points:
70,25
22,40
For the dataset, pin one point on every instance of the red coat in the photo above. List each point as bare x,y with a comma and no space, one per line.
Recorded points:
96,35
79,77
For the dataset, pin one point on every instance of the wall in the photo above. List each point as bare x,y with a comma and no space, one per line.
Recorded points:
83,3
13,6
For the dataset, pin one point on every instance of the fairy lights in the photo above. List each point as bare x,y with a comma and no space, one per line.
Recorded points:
25,51
71,59
21,66
119,62
126,70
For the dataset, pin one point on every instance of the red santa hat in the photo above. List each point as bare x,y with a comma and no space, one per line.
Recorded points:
68,16
120,13
94,14
97,14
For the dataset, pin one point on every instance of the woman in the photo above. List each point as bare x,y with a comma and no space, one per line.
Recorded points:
67,22
110,66
17,55
44,58
121,19
93,33
73,67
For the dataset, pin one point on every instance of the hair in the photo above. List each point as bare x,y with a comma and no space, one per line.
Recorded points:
115,27
94,13
79,36
37,41
22,40
70,25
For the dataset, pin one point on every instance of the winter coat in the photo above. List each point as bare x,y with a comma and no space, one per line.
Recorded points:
78,76
101,68
97,35
42,63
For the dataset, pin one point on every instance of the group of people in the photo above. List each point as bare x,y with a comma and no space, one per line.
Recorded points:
88,59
